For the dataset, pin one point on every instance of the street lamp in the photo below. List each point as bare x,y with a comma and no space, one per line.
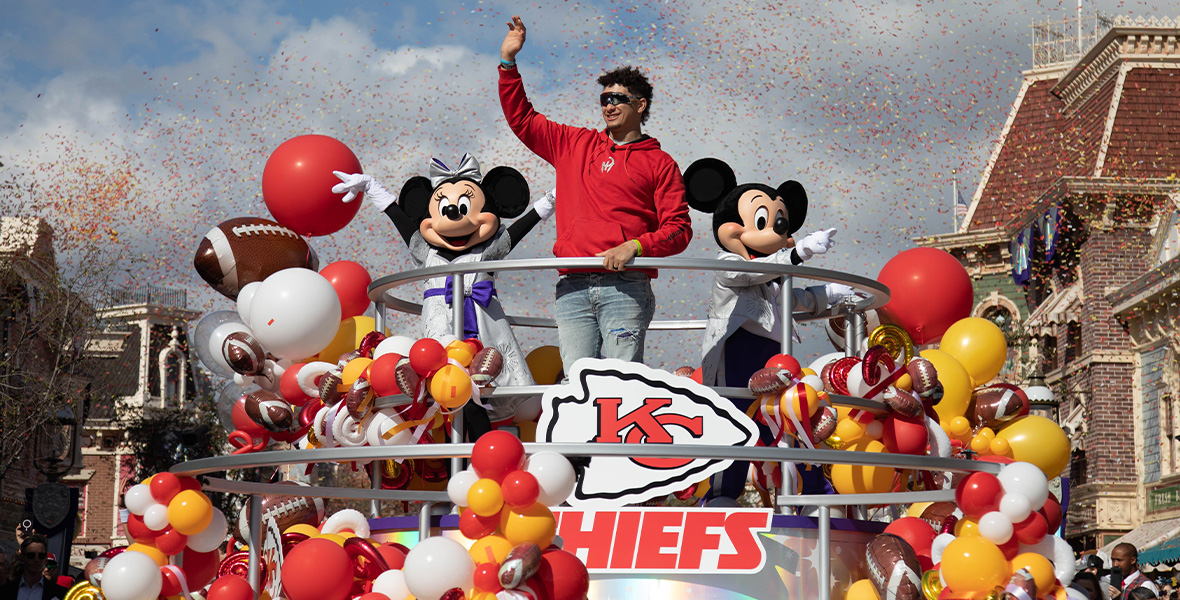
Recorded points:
1040,398
53,506
56,450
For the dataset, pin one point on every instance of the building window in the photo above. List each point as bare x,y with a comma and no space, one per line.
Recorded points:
1048,349
1077,467
1073,342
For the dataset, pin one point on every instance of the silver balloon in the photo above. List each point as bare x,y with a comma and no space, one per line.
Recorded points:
226,399
210,334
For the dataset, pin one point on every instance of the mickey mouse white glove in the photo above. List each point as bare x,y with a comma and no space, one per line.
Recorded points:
356,183
816,242
545,205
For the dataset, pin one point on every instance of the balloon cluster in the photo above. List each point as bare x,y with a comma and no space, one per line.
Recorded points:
505,497
177,535
994,539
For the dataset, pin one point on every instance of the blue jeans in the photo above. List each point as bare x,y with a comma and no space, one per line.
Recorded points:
603,315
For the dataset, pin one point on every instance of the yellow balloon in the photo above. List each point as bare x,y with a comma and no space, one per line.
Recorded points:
304,528
533,523
999,447
793,399
353,370
973,564
905,382
490,548
461,352
967,528
916,509
956,384
150,550
348,338
979,345
808,371
849,430
545,364
484,497
959,427
1039,441
450,386
334,537
856,479
1039,567
862,590
190,512
528,431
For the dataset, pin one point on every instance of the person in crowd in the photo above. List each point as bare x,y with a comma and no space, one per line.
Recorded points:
1125,557
30,582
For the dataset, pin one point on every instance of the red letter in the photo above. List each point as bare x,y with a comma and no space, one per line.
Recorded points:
697,538
748,552
610,425
654,537
626,530
597,541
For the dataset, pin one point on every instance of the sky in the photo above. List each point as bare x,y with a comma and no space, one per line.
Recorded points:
135,127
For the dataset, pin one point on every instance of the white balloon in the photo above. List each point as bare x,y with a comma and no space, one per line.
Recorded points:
1016,507
875,430
437,564
1064,566
211,537
131,575
138,499
348,518
941,541
459,485
156,517
857,386
394,344
445,339
382,421
529,410
995,527
817,365
295,313
1026,479
246,297
555,477
392,583
814,381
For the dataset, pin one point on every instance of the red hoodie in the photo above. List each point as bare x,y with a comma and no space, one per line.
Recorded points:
608,193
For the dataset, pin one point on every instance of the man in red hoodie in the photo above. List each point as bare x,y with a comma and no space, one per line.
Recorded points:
618,196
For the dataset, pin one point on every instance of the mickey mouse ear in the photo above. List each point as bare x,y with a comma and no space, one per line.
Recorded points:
706,182
795,197
508,192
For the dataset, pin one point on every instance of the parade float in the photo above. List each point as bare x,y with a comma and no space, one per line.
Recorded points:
937,484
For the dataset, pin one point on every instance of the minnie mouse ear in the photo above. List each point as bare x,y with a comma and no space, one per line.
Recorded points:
795,197
415,198
507,192
706,182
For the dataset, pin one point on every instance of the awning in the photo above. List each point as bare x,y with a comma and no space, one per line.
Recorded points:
1147,535
1167,552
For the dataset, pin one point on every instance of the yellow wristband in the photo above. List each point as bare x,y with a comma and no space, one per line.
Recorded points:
639,247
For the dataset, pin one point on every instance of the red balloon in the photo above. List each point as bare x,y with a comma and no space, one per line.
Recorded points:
1052,512
561,577
171,542
317,569
929,291
520,489
382,375
164,486
243,422
1010,548
918,534
138,530
475,527
904,435
979,494
785,361
372,596
1032,529
190,483
995,458
394,555
496,454
289,387
230,587
427,356
171,586
698,375
200,567
351,282
297,184
487,577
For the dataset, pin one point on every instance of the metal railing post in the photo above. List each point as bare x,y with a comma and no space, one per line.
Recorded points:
424,520
376,468
858,336
823,542
457,297
254,568
788,316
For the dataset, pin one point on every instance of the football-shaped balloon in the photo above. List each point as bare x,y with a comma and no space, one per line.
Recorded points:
893,568
937,513
359,398
243,353
521,563
286,510
902,402
925,378
486,366
823,423
770,380
248,249
407,378
269,410
999,404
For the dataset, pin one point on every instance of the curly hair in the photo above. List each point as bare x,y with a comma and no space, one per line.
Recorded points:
634,80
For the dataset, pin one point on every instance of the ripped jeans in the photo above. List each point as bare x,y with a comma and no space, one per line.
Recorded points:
603,315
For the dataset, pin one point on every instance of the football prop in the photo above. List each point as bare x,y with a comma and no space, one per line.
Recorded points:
770,380
286,510
893,568
486,366
270,411
248,249
243,353
297,184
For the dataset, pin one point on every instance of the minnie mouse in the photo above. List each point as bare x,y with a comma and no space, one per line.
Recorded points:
454,216
752,222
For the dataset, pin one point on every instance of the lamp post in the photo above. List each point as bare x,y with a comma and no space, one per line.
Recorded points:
53,505
1041,400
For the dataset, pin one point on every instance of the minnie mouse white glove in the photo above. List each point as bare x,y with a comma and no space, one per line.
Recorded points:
545,205
356,183
816,242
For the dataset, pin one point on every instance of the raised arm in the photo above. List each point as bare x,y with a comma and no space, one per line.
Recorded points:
542,136
352,185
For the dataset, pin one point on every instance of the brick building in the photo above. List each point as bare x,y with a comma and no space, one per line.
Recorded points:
1076,204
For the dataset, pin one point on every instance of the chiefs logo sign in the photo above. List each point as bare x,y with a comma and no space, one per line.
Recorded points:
616,402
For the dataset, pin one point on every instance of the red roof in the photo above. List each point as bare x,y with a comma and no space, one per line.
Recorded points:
1145,139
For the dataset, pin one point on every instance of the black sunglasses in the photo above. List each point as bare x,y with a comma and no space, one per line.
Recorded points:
36,555
615,99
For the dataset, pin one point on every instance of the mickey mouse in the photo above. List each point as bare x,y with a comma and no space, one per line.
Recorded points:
454,216
752,222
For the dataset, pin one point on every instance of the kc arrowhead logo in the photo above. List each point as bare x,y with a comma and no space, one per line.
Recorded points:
616,402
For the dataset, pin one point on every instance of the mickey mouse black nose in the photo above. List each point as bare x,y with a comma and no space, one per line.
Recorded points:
451,211
780,225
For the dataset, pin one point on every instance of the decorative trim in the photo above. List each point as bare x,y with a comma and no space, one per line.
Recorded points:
995,156
1111,113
